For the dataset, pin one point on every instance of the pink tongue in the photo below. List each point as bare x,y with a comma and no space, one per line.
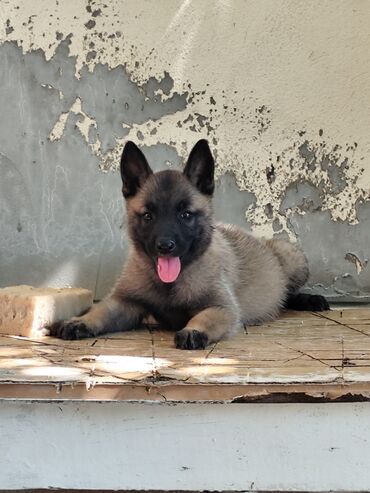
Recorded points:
168,268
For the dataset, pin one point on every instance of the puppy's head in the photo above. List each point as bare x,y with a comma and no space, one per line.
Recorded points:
169,212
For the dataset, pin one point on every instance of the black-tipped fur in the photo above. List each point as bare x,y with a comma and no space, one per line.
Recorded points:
72,330
200,168
307,302
135,169
191,339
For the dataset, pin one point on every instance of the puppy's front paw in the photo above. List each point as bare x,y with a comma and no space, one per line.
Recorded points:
70,330
191,339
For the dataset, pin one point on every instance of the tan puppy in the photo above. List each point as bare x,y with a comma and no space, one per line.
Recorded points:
195,277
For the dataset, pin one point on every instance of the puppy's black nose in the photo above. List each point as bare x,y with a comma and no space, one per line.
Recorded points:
165,245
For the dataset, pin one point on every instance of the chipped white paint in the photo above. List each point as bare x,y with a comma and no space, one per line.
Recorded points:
360,265
83,123
230,447
58,129
277,73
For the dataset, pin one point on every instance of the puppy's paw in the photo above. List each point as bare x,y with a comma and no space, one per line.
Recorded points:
318,303
191,339
70,330
307,302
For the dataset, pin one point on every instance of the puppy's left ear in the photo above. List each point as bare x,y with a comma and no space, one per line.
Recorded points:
200,168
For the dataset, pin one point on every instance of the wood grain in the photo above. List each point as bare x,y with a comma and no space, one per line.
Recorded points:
299,354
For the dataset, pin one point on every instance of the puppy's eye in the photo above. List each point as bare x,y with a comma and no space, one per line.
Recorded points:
147,217
187,215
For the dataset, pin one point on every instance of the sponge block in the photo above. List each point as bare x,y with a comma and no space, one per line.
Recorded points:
25,310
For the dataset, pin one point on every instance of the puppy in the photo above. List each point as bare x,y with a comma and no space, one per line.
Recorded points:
202,280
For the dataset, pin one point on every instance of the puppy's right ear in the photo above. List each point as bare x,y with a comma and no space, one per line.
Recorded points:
135,169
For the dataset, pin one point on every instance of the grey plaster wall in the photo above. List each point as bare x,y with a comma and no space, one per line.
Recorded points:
62,219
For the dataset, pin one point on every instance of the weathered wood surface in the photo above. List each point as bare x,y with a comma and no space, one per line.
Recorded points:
301,356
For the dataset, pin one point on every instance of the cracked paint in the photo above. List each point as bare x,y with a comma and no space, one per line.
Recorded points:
360,264
84,124
286,121
107,34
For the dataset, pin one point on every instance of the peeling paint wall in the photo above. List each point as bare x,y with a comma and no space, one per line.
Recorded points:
279,88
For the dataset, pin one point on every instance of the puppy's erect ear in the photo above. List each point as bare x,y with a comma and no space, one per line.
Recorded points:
200,168
134,169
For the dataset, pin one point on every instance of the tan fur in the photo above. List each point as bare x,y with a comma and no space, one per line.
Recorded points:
236,279
249,280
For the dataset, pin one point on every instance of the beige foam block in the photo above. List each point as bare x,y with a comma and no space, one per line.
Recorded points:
25,310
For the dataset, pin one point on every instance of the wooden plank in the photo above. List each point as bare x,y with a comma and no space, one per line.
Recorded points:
298,349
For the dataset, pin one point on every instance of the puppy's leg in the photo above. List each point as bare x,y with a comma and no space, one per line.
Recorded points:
208,326
110,315
306,302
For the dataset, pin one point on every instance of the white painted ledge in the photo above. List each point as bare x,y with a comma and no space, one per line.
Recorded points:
240,447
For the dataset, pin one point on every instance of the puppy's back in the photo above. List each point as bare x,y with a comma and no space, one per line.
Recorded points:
293,262
259,280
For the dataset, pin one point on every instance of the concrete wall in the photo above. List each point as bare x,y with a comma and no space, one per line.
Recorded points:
185,447
280,89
